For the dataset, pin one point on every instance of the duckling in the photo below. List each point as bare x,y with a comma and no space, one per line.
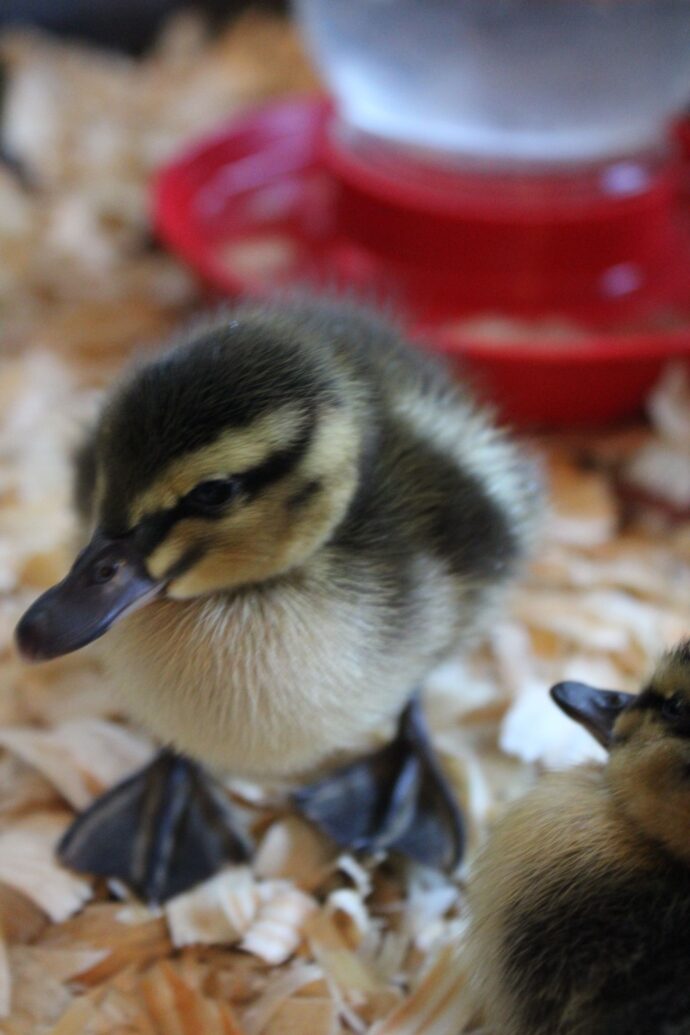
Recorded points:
294,516
581,898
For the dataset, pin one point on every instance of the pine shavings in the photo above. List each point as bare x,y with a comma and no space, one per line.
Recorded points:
80,758
293,850
99,929
299,1016
5,978
438,1006
176,1007
344,967
27,863
265,917
280,921
286,984
217,912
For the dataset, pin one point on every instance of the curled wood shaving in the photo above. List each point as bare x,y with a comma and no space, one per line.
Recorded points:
277,930
350,914
219,911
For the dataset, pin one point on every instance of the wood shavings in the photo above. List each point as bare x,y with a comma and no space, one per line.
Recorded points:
178,1008
439,1005
295,851
77,1018
343,966
125,945
669,407
583,512
659,472
280,920
5,978
535,731
298,1016
27,863
21,920
79,758
281,990
25,788
267,916
218,912
350,914
42,751
38,998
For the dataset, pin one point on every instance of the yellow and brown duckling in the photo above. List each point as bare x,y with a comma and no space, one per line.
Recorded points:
581,898
294,515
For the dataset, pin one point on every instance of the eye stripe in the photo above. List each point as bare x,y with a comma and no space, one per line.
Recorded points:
152,530
651,700
280,463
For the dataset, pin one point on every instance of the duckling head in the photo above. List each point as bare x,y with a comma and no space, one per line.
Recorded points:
648,738
226,462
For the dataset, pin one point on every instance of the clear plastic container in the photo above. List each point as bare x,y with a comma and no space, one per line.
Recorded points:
506,81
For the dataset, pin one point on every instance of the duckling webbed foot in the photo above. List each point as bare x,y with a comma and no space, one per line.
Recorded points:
396,799
162,830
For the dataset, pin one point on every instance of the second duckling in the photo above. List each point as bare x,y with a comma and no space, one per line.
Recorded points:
581,898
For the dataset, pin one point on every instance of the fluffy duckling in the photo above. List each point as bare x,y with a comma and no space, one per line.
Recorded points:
294,516
581,898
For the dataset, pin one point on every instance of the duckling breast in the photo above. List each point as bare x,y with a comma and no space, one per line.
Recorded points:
274,680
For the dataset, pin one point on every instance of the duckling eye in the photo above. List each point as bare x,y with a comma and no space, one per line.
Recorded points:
212,494
672,707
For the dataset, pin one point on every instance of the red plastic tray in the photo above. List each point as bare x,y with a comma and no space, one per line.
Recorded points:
266,203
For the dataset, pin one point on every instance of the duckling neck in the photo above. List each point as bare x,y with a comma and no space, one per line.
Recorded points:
659,809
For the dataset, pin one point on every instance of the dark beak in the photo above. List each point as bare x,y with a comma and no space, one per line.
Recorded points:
107,580
596,710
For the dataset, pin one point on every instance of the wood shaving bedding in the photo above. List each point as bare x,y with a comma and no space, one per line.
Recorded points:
306,939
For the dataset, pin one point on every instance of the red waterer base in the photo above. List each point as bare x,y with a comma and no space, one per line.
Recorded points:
562,295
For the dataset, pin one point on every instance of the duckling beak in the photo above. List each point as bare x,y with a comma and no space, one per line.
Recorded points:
596,710
108,580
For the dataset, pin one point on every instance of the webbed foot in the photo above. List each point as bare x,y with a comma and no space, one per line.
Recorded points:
395,799
162,830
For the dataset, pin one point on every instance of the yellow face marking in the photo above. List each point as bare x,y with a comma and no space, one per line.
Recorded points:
236,450
264,537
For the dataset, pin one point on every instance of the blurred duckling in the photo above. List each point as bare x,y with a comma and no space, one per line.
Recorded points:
294,516
581,898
